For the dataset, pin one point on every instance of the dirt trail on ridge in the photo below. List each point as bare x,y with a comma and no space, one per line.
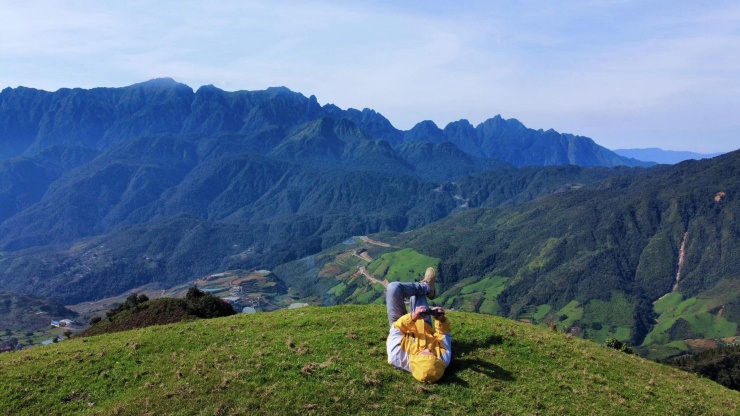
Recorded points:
362,270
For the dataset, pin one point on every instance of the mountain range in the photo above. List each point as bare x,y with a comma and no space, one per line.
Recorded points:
109,189
33,120
222,179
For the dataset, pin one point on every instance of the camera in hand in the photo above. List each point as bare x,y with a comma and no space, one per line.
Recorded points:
431,312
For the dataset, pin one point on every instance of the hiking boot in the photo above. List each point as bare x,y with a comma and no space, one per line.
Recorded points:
429,278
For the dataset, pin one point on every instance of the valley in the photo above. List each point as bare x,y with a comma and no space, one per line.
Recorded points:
351,278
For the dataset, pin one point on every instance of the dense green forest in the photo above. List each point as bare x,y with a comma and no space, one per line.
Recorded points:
598,261
719,364
107,189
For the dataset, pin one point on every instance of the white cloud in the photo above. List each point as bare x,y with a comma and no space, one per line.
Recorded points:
577,66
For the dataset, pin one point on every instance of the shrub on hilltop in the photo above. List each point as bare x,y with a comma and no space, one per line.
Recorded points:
138,311
204,305
618,345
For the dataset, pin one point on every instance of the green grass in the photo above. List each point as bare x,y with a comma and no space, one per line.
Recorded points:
493,285
572,312
471,295
404,265
489,306
332,360
673,306
661,352
679,345
614,317
338,289
711,326
375,292
542,312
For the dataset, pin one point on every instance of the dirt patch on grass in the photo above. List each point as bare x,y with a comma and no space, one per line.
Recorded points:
701,344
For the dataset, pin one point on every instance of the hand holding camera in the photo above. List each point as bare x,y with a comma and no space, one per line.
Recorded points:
422,312
433,312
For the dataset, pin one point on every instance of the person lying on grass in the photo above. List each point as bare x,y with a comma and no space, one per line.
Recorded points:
416,343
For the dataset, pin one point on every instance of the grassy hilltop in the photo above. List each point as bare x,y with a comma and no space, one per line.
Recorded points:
331,360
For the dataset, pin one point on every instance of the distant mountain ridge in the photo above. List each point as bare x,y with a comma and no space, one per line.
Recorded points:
106,189
32,120
657,155
511,141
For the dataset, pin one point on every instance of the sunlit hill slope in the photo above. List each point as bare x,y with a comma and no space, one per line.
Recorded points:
331,360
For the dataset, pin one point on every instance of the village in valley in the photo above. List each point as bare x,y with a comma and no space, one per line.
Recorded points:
55,331
246,291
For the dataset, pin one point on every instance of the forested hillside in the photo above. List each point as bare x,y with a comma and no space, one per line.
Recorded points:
647,257
107,189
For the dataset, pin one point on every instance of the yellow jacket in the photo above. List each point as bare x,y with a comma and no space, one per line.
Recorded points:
408,338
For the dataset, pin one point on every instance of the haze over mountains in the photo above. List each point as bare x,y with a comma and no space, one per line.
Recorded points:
663,156
108,189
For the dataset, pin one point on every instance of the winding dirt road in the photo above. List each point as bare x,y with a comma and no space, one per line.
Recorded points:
362,270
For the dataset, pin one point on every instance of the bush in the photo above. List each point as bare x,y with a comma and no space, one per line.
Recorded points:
205,305
132,302
618,345
194,293
95,319
139,312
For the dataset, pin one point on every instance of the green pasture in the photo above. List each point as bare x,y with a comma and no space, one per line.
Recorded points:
332,361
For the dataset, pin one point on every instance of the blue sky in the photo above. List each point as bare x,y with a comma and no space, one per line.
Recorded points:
629,74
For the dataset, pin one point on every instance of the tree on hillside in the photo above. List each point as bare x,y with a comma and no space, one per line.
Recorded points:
132,302
205,305
618,345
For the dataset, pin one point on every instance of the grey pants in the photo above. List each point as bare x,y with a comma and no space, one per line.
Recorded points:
395,294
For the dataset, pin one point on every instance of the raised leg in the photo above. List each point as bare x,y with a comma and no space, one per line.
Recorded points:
395,294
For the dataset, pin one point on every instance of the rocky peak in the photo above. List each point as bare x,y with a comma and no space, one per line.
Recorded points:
425,131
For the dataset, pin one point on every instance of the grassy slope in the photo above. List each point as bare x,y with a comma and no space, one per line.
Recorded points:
332,361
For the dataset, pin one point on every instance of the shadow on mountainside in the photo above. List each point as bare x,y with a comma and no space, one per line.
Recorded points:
464,358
